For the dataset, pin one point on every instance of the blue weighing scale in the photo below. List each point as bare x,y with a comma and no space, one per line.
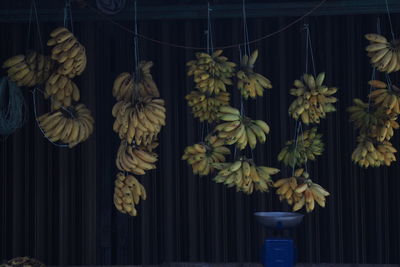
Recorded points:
279,252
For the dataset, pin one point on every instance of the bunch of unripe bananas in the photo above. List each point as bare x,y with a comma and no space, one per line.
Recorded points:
384,55
211,72
376,122
30,69
68,52
307,147
240,130
299,191
141,83
245,175
127,193
140,121
251,84
135,159
313,100
71,125
139,116
201,156
205,106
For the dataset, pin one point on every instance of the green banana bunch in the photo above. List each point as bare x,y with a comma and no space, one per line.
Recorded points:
201,156
205,106
240,130
245,175
299,191
309,145
211,72
313,100
251,84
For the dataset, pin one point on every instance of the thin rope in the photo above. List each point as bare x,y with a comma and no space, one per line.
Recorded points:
218,47
245,30
390,19
136,42
38,27
29,27
305,28
296,133
210,27
37,122
302,141
311,50
70,16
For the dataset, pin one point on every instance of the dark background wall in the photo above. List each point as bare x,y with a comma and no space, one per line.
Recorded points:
56,204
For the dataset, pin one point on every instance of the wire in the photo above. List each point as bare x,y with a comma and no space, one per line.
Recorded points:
29,27
38,28
218,47
390,19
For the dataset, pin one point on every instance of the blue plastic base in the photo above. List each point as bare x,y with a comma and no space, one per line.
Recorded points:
278,253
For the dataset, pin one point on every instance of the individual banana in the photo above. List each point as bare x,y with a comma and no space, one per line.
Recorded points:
127,193
201,156
313,100
249,83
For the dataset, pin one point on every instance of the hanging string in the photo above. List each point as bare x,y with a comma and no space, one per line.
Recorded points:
203,48
29,27
136,42
390,19
309,49
37,121
38,28
296,132
209,31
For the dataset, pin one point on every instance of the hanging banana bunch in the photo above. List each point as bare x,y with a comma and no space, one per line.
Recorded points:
308,146
299,191
376,123
313,100
245,175
29,70
384,55
201,156
139,115
251,84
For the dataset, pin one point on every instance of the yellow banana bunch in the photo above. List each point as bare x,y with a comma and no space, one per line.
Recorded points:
141,83
372,153
211,72
251,84
313,100
384,55
308,146
245,175
386,98
68,52
205,106
201,156
30,69
70,126
62,91
140,121
133,159
127,193
299,191
240,130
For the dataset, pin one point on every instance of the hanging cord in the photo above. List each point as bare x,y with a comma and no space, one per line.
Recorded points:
296,137
203,48
68,15
136,42
29,27
37,121
38,28
390,19
246,40
209,31
309,49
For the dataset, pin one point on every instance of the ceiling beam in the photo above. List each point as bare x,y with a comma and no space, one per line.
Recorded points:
253,10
